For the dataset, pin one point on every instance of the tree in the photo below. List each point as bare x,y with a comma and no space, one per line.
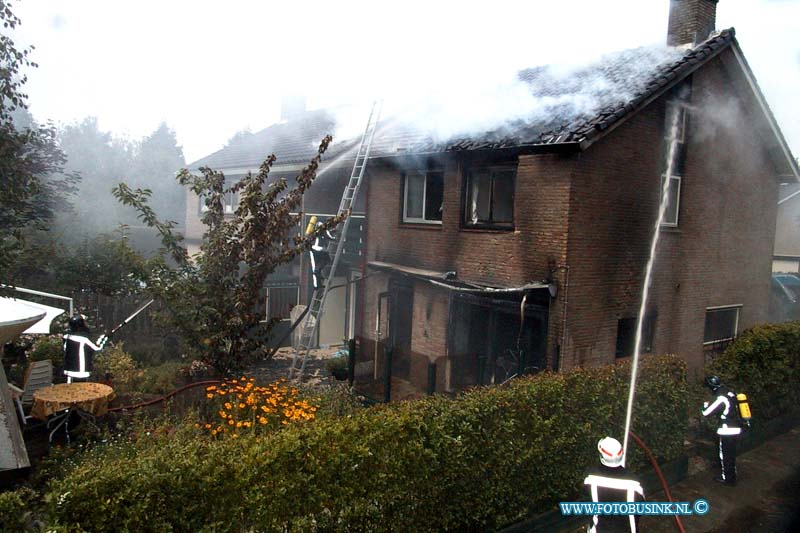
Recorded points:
213,298
29,155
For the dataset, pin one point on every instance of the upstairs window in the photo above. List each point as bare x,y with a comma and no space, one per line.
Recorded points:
675,158
422,197
230,203
722,323
490,197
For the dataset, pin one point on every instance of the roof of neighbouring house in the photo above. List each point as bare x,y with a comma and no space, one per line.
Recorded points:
576,105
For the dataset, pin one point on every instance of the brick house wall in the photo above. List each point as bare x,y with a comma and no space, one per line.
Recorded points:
594,212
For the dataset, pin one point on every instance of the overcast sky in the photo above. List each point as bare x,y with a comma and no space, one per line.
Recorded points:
210,69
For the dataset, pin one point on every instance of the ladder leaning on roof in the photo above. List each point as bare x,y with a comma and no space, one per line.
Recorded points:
335,248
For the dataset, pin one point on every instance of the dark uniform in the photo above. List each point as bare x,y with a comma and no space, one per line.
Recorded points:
320,258
78,351
728,431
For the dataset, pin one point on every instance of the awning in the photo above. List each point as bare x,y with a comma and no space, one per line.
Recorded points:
449,280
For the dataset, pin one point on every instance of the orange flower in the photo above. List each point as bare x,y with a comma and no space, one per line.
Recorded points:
228,405
230,421
262,420
241,406
209,396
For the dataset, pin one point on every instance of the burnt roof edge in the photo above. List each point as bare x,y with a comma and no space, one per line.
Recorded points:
683,72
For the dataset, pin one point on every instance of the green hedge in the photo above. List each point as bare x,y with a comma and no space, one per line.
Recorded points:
764,363
480,461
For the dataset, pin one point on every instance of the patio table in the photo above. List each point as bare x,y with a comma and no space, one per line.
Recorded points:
55,404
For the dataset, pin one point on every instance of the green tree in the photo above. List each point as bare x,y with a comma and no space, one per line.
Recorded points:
33,187
213,298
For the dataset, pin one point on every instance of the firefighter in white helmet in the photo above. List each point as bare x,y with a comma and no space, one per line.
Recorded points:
609,482
728,430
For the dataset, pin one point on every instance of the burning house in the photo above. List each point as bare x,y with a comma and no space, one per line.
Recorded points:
524,248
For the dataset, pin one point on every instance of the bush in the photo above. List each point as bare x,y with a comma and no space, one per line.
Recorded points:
15,509
114,363
483,460
48,347
764,363
161,379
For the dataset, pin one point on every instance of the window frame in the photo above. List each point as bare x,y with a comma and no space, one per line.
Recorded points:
467,197
737,307
228,208
425,174
677,207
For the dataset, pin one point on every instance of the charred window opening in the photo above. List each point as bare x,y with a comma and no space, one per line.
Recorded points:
486,345
675,139
490,197
722,323
626,335
422,198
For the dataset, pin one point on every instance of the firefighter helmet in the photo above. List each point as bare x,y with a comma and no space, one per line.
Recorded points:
77,323
610,452
713,383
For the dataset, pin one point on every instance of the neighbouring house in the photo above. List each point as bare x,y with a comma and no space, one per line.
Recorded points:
525,248
295,140
786,256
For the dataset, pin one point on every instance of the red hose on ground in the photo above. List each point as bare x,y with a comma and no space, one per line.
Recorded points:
652,458
166,396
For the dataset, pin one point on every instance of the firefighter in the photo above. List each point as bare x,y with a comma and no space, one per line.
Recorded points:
609,482
728,430
79,350
320,258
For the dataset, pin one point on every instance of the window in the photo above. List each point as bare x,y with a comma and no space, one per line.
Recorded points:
675,159
626,336
231,202
422,199
490,197
280,301
722,323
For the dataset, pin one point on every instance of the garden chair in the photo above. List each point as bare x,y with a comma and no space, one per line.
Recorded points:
38,376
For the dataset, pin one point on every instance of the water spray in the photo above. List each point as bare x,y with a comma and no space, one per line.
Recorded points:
104,338
662,208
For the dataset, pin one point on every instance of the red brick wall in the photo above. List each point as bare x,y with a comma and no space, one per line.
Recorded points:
718,255
595,212
690,20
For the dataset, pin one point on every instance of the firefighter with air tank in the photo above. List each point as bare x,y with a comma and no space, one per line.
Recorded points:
734,411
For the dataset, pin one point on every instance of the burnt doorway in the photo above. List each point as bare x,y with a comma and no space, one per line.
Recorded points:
400,328
491,340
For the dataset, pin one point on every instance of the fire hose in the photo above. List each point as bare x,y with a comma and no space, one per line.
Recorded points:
652,458
166,396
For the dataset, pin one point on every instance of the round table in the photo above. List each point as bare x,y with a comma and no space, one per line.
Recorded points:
88,400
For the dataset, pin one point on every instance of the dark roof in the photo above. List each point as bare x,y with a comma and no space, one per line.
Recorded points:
576,106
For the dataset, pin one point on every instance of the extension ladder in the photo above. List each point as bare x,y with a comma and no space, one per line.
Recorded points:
335,248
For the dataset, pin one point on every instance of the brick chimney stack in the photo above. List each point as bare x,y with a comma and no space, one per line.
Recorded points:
690,21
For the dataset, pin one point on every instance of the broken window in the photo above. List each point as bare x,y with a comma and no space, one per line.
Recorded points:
423,197
722,323
486,344
626,336
490,197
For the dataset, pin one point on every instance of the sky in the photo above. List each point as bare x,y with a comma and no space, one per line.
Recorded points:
210,69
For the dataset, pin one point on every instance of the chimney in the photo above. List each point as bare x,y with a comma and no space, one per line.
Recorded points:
690,21
292,106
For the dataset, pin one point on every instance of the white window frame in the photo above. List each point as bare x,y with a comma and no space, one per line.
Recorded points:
424,174
677,206
296,300
231,203
738,308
